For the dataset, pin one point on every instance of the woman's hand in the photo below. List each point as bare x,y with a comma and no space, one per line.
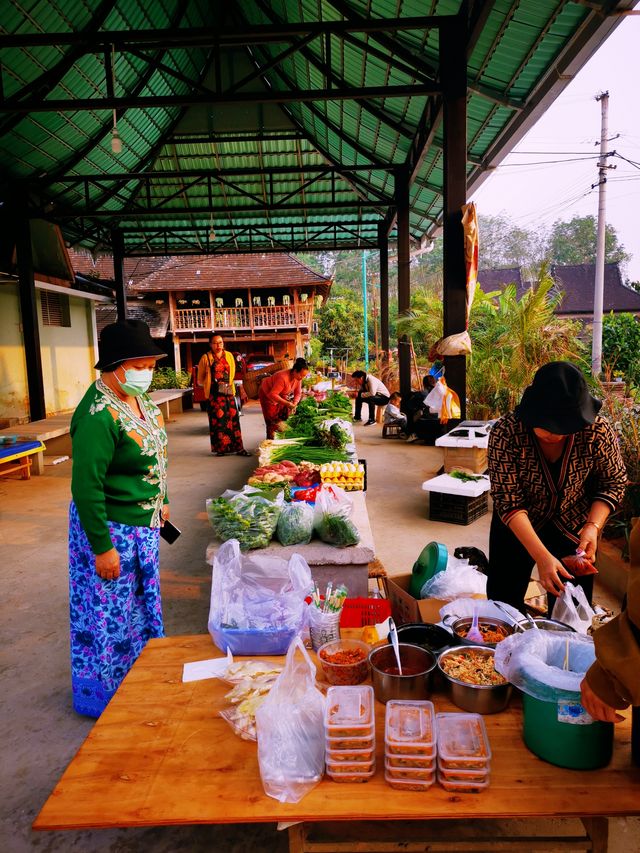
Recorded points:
589,541
165,512
594,705
550,569
108,565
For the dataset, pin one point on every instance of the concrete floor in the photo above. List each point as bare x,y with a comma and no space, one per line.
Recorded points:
40,732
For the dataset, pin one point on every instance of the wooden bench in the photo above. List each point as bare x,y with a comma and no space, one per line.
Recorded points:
52,432
16,458
172,401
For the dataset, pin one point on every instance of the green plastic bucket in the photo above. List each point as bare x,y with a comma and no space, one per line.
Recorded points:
557,733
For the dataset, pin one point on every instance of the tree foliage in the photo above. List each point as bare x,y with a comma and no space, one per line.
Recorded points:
341,325
621,345
574,242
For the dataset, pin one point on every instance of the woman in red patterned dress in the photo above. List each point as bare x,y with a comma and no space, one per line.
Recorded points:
216,372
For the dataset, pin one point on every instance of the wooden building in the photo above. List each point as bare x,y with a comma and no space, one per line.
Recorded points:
260,304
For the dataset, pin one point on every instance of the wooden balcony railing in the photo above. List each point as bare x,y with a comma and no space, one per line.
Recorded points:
264,317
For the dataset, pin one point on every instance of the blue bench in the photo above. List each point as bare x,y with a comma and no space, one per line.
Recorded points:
20,454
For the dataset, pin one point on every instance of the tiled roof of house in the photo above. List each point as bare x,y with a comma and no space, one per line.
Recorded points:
101,266
216,272
155,316
499,279
578,283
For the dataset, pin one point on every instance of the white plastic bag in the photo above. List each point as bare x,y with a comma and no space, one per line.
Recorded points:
331,517
458,579
257,602
535,662
573,609
290,726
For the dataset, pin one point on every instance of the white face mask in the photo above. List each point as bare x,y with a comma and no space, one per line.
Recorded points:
136,382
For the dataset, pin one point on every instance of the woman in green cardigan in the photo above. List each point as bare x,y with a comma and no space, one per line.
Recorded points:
119,502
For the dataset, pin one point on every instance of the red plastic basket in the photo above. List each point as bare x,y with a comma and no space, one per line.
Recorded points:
358,612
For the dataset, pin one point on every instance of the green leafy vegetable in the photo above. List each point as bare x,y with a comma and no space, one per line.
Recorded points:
251,519
337,530
466,478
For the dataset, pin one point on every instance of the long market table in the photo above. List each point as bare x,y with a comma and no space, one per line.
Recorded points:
160,755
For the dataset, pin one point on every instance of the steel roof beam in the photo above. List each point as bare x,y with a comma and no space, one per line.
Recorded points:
156,212
59,105
216,37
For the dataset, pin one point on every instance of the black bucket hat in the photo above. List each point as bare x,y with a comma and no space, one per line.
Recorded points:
558,400
124,340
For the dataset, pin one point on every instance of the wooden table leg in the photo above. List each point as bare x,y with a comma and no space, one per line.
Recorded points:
597,828
297,838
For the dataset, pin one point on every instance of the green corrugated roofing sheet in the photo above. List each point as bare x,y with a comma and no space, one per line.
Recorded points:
248,173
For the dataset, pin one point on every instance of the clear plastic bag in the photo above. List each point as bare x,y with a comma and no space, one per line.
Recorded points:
295,524
291,747
257,602
579,565
573,609
458,579
534,662
247,516
331,517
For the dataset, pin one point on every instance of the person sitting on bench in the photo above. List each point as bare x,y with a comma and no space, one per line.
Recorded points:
373,392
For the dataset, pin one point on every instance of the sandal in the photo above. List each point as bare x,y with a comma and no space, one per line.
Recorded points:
243,453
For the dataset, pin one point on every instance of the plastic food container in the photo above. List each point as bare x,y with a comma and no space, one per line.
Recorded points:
349,712
421,774
463,787
345,673
473,777
408,784
462,742
351,776
350,743
410,729
362,756
411,761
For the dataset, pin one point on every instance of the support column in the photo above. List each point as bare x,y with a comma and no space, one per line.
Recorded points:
177,361
404,278
383,247
453,70
117,244
29,311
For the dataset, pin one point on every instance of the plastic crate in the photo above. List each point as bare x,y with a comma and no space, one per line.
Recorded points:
457,509
358,612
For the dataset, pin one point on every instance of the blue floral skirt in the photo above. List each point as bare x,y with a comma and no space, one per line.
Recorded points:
110,620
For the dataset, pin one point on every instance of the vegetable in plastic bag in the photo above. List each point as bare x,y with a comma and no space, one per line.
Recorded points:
295,524
290,728
247,516
332,522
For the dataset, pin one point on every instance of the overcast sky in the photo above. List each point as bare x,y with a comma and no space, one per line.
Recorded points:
535,196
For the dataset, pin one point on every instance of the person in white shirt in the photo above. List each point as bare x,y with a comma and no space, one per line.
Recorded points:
373,392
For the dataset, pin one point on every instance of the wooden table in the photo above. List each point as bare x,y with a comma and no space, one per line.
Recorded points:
166,758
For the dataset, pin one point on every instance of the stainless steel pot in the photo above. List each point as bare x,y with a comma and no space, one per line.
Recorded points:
475,698
435,638
546,625
464,624
388,685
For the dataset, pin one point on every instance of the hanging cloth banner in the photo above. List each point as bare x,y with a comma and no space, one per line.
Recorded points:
471,252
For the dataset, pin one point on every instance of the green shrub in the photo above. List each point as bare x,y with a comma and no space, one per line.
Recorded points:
167,377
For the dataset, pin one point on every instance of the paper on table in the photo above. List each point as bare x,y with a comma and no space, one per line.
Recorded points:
212,668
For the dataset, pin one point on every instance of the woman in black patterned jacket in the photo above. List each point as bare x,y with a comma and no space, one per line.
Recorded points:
556,475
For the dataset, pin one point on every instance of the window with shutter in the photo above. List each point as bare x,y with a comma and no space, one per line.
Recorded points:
55,309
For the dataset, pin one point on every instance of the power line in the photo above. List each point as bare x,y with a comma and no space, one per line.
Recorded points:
549,162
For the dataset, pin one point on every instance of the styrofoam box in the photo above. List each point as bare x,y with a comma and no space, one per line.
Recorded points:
448,485
467,434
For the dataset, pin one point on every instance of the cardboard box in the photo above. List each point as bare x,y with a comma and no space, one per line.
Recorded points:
472,459
405,608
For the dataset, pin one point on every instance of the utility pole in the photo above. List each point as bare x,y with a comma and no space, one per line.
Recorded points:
598,296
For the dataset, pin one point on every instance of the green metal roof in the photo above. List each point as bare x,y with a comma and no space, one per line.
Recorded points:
264,126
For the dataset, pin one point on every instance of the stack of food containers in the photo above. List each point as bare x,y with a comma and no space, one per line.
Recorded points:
410,745
464,754
350,728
